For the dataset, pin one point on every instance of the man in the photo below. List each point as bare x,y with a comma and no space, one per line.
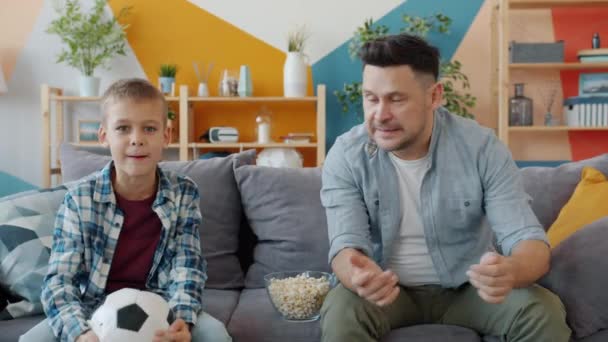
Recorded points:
416,200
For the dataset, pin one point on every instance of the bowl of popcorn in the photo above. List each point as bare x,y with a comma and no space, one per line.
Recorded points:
298,295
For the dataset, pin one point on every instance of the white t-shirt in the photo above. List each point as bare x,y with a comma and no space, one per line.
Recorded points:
410,258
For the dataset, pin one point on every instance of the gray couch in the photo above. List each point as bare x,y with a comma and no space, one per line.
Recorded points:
258,220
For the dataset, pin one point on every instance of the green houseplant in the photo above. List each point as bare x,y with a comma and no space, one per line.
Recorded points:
91,39
456,84
295,68
166,78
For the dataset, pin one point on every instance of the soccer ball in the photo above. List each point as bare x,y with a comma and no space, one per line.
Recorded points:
130,315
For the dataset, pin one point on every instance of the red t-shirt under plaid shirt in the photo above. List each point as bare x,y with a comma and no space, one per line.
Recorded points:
136,245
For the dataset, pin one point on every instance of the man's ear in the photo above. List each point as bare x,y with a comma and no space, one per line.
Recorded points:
437,95
102,135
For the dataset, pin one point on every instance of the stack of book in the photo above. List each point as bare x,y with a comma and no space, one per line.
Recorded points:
593,55
296,138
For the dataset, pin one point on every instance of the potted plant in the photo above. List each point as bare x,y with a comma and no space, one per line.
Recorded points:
92,40
455,83
295,68
166,80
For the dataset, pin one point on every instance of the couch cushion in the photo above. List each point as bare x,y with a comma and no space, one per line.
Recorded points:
284,211
11,330
220,206
220,303
255,319
550,188
578,277
26,236
587,205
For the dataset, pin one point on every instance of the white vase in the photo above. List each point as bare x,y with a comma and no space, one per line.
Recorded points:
294,75
89,85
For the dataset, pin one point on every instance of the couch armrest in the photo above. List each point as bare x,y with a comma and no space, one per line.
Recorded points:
578,276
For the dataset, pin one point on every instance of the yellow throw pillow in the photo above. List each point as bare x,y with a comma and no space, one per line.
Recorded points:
588,203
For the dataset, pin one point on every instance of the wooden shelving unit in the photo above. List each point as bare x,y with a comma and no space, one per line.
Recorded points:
540,4
554,128
52,99
504,68
558,66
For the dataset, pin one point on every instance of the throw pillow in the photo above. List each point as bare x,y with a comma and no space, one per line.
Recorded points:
220,206
284,211
578,277
587,204
26,235
551,187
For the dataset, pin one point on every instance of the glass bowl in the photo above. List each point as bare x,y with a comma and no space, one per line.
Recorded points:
298,295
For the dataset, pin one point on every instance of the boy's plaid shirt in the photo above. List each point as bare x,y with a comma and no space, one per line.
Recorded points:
86,232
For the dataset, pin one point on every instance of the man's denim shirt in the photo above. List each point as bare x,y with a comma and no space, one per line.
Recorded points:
471,197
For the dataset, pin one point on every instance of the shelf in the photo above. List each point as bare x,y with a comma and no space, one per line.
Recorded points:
538,4
560,66
94,144
555,128
251,145
93,98
311,99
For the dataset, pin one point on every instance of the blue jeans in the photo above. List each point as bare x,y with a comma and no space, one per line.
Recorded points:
207,329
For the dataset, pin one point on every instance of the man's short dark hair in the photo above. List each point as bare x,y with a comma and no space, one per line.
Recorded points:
402,49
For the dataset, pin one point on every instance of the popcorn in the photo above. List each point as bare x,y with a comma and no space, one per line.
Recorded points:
298,297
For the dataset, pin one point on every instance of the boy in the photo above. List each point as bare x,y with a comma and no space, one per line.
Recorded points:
128,225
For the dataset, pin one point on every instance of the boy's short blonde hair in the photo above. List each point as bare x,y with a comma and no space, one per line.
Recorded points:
135,89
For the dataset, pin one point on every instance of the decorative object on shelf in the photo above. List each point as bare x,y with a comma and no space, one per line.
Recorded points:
203,80
520,108
595,84
92,40
228,84
88,131
3,86
295,68
593,55
245,87
536,52
263,127
171,116
215,154
280,157
166,79
586,111
548,92
595,41
221,134
457,98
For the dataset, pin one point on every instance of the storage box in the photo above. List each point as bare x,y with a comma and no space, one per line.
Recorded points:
586,111
536,52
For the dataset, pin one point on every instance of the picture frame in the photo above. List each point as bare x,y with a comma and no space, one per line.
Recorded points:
593,84
87,131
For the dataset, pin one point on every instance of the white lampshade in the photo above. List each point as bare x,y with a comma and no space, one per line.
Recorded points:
3,86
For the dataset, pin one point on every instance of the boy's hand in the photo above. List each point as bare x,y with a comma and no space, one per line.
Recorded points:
88,336
177,332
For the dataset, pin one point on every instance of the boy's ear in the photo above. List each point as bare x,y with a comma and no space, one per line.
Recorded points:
102,135
167,135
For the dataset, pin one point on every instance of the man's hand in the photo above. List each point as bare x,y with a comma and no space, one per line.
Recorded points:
494,277
370,282
177,332
88,336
